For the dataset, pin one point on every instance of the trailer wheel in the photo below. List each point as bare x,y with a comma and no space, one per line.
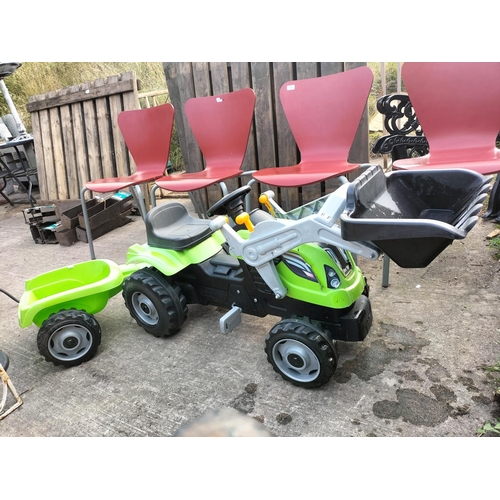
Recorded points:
69,338
301,353
156,305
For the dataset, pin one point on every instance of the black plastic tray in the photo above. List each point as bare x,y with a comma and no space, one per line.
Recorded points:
413,215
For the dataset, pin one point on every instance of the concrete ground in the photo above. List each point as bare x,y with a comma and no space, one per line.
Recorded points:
420,372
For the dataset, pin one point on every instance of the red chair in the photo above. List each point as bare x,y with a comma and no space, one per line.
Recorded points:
324,114
147,134
458,107
221,126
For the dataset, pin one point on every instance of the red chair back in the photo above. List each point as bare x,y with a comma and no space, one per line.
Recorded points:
147,134
324,112
221,125
457,105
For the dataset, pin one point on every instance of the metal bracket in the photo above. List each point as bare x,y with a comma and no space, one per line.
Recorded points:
230,320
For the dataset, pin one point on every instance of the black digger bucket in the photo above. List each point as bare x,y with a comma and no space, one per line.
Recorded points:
413,215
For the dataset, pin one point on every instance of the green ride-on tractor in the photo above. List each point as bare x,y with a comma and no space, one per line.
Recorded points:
299,268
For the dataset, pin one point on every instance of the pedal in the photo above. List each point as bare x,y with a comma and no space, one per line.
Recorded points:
230,320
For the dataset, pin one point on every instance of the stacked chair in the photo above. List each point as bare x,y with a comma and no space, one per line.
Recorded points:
458,107
324,115
221,125
147,134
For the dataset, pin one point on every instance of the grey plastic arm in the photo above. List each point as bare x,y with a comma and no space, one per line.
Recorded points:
272,238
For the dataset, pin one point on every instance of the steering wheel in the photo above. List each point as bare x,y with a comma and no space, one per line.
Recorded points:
232,204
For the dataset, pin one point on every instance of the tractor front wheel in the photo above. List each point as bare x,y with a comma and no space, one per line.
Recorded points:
301,353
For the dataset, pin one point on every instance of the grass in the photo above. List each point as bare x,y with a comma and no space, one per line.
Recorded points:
495,246
34,78
493,427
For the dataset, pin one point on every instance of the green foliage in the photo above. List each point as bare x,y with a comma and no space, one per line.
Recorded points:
494,426
490,427
34,78
495,246
391,79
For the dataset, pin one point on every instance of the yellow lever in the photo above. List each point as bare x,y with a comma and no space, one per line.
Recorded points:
264,199
244,218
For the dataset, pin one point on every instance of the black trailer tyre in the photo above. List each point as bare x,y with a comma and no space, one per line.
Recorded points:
4,360
157,306
301,353
69,337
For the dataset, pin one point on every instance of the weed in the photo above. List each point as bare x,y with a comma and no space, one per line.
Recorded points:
490,427
495,246
35,78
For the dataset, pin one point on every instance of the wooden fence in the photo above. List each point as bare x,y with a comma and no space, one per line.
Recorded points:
76,135
271,143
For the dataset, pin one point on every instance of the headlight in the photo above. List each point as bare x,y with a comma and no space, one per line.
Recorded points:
332,278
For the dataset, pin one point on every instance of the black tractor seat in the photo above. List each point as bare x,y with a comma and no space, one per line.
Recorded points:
170,226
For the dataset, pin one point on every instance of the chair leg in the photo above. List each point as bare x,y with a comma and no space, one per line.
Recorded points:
6,198
32,200
197,206
154,187
137,194
494,201
87,223
247,197
385,271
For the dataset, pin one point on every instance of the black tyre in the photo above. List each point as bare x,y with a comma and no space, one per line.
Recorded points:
4,360
69,338
157,306
301,353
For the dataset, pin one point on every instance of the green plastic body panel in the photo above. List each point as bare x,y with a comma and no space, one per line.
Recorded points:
351,286
86,286
350,289
170,262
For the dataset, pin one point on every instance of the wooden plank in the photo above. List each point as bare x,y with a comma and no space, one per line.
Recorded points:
119,147
48,159
220,85
72,177
182,86
186,86
58,153
219,77
306,70
130,101
360,147
104,133
81,157
201,79
264,117
312,191
40,160
240,79
331,68
123,86
92,138
287,147
170,70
